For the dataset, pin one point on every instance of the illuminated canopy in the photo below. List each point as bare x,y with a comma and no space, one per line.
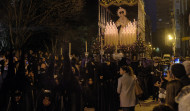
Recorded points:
107,3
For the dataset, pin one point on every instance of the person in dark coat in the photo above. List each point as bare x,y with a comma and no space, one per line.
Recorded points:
70,86
8,84
144,71
17,102
156,77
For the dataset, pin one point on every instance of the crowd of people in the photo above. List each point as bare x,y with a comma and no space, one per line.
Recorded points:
173,89
41,81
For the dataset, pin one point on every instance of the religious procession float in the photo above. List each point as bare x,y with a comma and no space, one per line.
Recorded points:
121,29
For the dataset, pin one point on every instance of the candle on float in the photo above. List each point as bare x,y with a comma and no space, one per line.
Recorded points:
135,29
126,36
99,12
61,51
133,32
104,13
99,34
86,45
101,43
116,49
123,37
108,35
106,16
69,49
101,15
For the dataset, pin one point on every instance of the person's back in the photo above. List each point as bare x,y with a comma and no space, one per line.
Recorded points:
126,89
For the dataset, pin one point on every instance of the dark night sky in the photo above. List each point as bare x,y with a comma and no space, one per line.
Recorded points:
150,8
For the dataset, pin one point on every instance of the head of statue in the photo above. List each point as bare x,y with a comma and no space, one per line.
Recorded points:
121,12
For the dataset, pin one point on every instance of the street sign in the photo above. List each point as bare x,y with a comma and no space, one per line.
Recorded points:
185,38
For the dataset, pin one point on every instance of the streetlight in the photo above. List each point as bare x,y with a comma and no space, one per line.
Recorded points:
170,37
150,48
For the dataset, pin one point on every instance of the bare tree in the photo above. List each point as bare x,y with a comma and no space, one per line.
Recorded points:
23,17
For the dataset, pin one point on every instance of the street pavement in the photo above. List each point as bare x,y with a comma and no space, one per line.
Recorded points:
146,105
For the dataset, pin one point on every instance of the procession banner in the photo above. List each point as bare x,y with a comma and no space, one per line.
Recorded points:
107,3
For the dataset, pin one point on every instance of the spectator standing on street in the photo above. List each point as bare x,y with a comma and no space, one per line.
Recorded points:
126,89
156,77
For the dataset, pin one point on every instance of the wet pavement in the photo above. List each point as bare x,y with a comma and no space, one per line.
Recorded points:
146,105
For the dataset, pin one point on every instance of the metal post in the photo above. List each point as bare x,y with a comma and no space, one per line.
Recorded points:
174,48
62,103
34,108
9,104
